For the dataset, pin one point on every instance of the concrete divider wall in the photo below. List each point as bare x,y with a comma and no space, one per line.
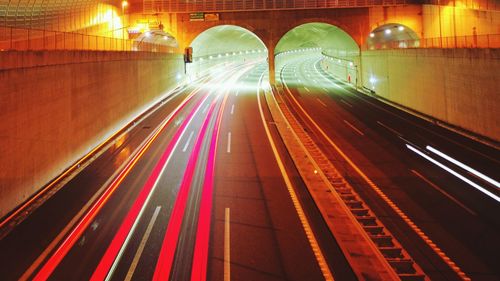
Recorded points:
457,86
54,114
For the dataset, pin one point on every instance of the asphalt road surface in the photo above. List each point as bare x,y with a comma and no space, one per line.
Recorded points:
461,219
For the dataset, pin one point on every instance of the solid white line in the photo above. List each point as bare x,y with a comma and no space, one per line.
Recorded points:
354,128
227,248
322,103
442,191
389,128
229,142
188,141
456,174
348,104
232,109
237,93
325,89
307,89
463,166
142,244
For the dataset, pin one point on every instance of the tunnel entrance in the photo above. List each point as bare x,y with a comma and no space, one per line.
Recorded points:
224,46
329,47
390,36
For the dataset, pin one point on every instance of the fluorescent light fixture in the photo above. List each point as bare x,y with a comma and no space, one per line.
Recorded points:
463,166
453,172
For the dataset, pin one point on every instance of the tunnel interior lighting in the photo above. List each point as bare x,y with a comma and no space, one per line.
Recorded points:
388,31
373,80
372,35
124,4
351,64
210,57
401,28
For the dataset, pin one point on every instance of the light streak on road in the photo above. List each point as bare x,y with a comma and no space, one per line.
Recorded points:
453,172
463,166
112,256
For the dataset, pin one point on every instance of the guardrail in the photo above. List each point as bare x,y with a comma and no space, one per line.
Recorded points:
23,39
469,41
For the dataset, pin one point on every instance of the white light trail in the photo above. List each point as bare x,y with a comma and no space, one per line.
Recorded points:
449,170
463,166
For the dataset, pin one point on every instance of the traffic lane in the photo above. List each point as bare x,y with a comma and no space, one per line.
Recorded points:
20,248
267,242
478,155
378,119
140,263
83,258
398,181
183,261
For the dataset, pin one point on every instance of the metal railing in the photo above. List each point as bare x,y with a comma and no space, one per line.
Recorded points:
23,39
155,6
469,41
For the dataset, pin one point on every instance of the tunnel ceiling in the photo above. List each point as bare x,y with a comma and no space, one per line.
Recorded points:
321,35
225,38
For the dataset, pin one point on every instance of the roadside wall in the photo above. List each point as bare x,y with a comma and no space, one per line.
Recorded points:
57,106
457,86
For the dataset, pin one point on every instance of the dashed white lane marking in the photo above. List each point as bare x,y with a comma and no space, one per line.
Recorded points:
229,142
389,128
320,101
227,246
205,109
354,128
307,89
144,239
442,191
232,109
188,141
346,103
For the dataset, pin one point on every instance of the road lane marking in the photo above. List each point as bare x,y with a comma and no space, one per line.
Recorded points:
346,103
307,89
390,129
237,92
227,249
188,141
116,249
205,109
391,203
142,244
318,254
232,109
168,248
75,234
229,142
322,103
443,192
354,128
325,89
200,252
455,173
463,166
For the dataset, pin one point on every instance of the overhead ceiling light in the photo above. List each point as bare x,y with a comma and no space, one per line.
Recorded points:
388,31
401,28
372,35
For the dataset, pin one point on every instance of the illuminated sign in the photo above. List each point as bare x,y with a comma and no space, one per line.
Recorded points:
197,16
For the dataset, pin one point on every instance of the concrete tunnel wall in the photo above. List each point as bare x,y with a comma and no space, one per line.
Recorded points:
64,105
457,86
